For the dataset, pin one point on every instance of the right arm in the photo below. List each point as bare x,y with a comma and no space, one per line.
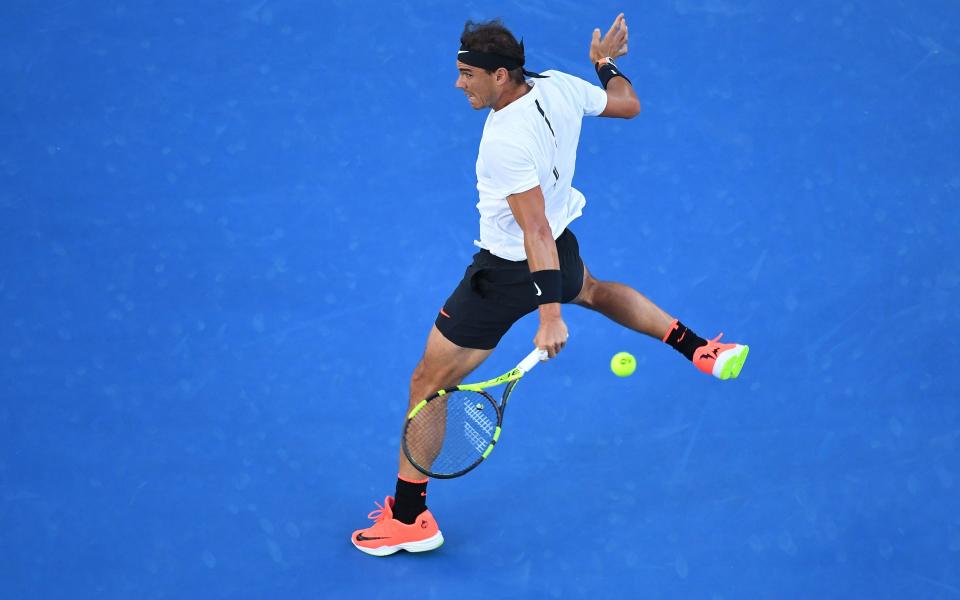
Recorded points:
622,101
529,210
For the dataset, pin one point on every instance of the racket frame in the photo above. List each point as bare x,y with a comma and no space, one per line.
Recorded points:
511,378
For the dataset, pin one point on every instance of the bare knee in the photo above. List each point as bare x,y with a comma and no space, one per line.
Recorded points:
429,377
423,377
443,365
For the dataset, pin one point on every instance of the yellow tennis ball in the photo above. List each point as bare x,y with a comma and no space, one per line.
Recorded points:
623,364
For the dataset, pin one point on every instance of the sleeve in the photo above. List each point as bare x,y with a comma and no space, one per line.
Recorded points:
592,99
510,166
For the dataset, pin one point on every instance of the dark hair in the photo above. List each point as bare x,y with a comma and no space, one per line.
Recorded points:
493,37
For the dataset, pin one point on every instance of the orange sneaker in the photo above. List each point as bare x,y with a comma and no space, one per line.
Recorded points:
723,361
387,535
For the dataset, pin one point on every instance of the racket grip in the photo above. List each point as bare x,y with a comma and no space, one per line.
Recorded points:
532,359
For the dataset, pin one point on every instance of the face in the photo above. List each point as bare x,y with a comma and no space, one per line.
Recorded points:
479,86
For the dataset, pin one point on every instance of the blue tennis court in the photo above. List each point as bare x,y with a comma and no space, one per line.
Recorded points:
227,228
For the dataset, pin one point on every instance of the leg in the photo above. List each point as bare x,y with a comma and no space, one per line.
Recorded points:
624,305
472,316
632,309
406,523
444,364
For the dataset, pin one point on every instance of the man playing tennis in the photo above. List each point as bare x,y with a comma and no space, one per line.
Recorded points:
528,259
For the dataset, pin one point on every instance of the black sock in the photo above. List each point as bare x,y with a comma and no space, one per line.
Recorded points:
683,340
410,500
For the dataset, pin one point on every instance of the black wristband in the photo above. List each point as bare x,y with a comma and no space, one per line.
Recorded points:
608,71
548,285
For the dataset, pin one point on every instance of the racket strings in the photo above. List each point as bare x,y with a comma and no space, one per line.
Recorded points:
451,433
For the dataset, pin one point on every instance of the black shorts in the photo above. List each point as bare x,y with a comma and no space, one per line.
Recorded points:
495,293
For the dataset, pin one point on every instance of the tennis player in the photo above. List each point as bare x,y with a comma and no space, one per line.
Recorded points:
528,259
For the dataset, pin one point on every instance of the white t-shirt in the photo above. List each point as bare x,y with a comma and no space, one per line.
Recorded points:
533,141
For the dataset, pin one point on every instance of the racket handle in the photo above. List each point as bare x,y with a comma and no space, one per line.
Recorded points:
532,359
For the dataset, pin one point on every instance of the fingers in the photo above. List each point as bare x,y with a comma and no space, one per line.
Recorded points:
620,37
615,26
552,347
614,42
595,45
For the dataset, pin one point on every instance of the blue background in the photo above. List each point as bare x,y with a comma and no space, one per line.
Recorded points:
227,228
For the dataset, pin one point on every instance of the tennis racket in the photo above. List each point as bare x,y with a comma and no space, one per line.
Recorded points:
450,433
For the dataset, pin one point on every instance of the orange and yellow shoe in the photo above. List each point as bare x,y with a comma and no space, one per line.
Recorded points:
387,535
723,361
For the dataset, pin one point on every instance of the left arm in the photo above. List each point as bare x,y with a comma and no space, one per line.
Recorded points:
529,210
622,101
